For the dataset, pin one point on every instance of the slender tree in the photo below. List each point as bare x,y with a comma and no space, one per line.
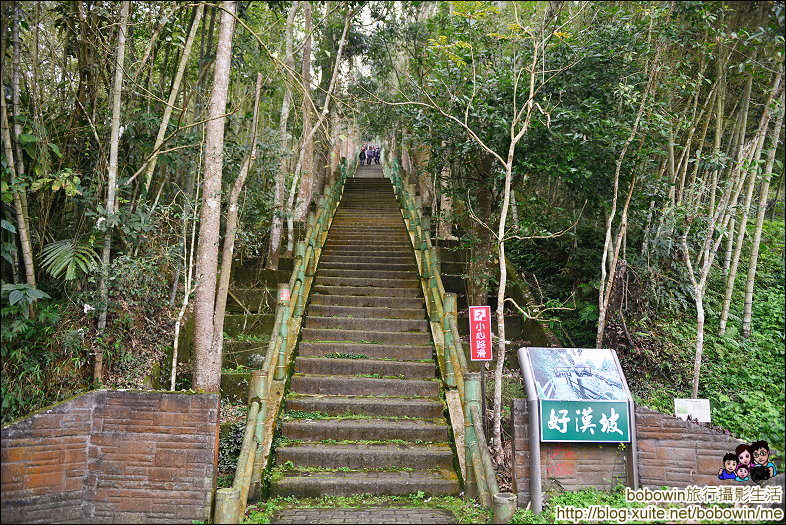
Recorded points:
276,226
231,229
762,208
170,105
114,142
207,364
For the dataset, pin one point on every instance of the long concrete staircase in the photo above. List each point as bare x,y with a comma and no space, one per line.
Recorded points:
364,412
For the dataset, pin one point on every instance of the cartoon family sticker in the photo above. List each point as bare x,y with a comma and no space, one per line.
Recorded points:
748,463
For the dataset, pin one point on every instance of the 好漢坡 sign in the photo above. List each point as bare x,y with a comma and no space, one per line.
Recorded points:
584,421
480,333
582,394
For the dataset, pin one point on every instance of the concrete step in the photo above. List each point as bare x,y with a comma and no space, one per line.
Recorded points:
379,258
338,483
401,338
368,301
350,367
375,244
425,430
367,456
367,274
356,226
367,212
367,324
363,386
356,234
367,266
424,408
405,251
372,291
412,282
373,351
324,310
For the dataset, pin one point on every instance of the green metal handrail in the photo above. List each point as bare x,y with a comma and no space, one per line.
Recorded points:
441,307
266,388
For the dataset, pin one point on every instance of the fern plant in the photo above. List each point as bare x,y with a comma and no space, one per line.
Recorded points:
69,256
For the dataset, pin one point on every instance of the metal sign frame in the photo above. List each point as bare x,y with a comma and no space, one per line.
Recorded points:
534,414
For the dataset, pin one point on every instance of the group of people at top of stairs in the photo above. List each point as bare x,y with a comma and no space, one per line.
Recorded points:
369,153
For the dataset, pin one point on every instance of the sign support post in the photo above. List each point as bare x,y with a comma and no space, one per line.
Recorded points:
481,349
533,412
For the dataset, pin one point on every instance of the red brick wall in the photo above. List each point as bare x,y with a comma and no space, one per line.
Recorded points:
663,442
112,456
564,466
44,461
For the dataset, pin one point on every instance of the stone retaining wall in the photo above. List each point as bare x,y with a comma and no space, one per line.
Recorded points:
672,452
112,457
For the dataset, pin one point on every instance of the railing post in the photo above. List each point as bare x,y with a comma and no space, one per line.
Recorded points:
504,507
472,399
471,483
255,488
227,506
300,253
447,308
258,391
283,300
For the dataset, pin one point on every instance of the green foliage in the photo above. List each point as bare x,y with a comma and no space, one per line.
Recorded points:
229,448
41,363
64,180
69,257
579,499
743,378
22,295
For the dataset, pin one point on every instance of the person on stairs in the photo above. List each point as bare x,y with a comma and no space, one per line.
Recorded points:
362,155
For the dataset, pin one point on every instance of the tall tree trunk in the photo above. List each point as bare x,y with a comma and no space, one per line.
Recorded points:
207,364
231,230
276,226
743,224
114,141
764,190
21,220
20,165
306,153
777,195
503,276
306,159
607,279
151,166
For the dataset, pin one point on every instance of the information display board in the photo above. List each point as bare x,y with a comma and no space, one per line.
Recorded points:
582,394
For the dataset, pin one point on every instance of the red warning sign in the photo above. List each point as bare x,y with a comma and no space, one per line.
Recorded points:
480,333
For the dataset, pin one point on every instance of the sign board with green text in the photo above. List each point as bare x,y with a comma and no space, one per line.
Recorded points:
597,421
582,394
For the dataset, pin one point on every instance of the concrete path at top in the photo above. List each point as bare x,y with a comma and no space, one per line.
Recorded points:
369,171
